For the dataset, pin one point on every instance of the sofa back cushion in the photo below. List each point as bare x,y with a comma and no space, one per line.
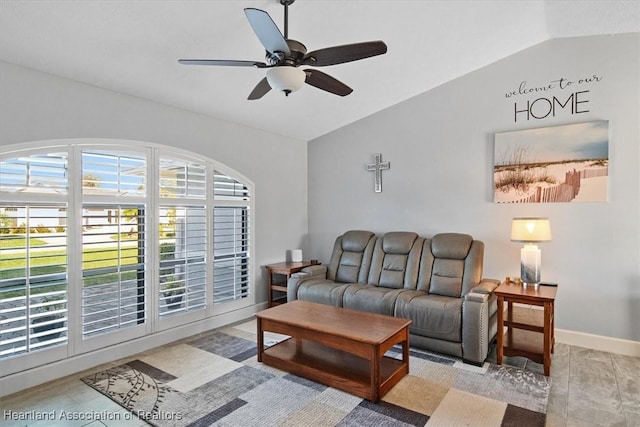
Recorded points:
395,260
351,257
451,264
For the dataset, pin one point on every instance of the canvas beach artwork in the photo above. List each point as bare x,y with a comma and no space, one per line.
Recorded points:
556,164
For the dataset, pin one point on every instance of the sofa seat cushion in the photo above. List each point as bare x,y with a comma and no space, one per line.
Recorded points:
374,299
322,291
433,316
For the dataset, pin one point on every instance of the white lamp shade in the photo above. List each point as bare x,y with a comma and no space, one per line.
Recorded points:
528,230
285,78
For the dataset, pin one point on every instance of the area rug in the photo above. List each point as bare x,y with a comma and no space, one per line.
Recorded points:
215,379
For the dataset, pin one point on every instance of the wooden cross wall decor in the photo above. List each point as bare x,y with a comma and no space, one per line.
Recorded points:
377,168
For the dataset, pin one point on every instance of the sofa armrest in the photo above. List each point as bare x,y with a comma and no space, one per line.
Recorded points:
477,297
313,271
479,325
486,286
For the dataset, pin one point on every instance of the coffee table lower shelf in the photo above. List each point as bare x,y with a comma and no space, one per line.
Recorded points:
334,368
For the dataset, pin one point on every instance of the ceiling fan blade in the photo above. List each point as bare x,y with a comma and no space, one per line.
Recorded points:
345,53
260,90
326,82
223,62
267,31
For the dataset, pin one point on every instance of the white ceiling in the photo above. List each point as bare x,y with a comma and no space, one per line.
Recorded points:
132,47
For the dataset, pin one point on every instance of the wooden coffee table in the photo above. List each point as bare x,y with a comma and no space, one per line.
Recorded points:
337,347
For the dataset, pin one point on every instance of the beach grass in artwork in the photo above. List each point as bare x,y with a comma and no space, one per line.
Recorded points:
554,164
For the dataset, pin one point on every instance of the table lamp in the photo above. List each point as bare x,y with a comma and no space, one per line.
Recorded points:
530,231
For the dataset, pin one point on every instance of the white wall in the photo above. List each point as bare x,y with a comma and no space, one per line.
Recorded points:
440,145
38,106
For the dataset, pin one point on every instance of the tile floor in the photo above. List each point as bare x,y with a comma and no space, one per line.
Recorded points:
589,388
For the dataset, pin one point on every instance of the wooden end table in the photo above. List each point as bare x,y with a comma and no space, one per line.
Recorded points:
529,331
277,277
338,347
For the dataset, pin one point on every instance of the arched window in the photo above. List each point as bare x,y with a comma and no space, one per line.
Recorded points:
105,241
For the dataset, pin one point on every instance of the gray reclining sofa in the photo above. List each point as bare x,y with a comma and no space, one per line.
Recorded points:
436,282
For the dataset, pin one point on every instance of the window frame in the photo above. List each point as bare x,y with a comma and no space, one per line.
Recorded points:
81,343
74,199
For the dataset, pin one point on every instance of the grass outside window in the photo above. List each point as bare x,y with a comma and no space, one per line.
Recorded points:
53,261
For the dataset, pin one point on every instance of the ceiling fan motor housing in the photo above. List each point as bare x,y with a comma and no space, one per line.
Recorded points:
296,54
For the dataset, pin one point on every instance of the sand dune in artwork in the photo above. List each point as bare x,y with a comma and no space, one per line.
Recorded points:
514,183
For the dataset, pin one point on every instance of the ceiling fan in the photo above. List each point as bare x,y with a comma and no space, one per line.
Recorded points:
285,55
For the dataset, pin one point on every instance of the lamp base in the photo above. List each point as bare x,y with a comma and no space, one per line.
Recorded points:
530,257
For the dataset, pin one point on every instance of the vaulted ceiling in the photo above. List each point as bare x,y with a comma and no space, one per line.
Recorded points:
132,47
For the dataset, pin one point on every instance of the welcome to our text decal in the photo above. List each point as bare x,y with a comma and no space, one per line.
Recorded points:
542,107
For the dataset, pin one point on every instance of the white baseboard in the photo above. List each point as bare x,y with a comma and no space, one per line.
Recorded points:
19,381
598,342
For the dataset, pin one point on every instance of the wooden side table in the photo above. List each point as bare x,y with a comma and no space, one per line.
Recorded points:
277,277
529,331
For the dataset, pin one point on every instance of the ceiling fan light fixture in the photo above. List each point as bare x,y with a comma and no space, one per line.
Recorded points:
286,79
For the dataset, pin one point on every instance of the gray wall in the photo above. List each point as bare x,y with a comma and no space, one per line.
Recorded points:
440,145
37,106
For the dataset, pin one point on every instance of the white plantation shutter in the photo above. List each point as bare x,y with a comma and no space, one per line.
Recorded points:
37,173
113,273
231,280
183,249
183,236
114,174
33,280
228,188
33,252
113,241
179,178
33,290
231,254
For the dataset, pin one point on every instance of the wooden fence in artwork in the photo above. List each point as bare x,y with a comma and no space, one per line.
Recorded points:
592,173
565,192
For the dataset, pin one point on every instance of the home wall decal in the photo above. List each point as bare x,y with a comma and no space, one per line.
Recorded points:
543,107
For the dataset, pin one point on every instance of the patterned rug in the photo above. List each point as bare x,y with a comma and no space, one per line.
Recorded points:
215,379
